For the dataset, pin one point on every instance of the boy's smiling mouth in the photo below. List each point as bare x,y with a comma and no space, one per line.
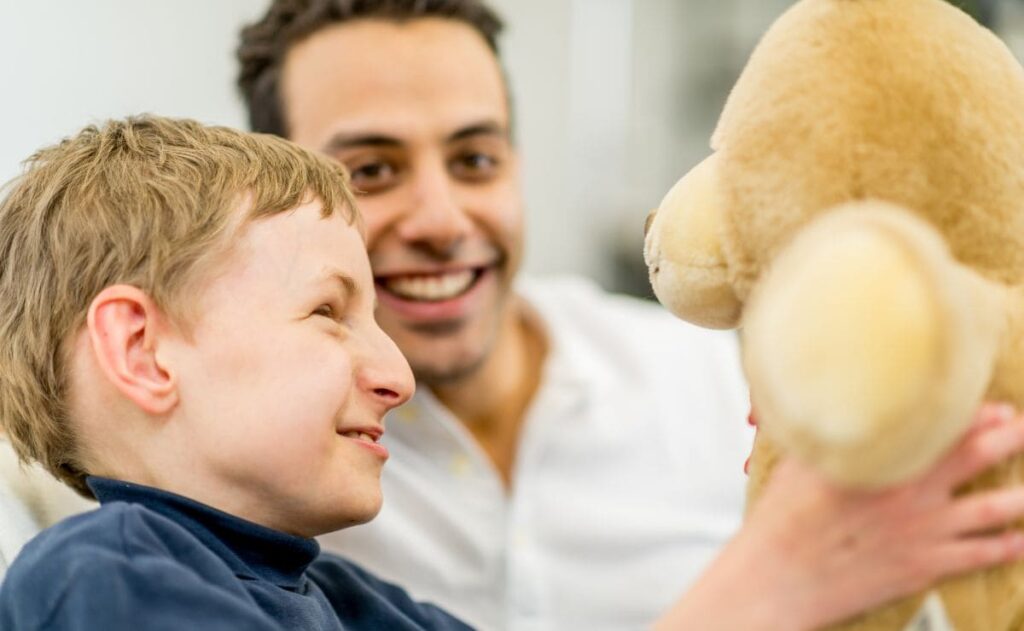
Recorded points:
367,437
368,433
361,436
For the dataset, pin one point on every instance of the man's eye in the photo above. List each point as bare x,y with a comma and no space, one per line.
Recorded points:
372,177
474,166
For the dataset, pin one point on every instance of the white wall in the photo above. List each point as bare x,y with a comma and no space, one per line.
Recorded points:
569,64
66,63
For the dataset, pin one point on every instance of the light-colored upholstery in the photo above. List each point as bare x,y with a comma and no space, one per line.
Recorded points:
30,500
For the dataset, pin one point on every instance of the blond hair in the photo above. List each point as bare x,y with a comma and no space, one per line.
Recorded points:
145,201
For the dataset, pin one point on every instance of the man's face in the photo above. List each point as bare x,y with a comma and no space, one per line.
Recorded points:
286,376
417,111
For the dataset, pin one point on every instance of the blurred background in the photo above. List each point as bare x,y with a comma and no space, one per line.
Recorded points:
615,99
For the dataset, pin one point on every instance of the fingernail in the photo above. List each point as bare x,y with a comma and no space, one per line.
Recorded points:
1005,411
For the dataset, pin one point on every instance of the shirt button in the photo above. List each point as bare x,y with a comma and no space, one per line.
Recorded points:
460,464
519,538
407,413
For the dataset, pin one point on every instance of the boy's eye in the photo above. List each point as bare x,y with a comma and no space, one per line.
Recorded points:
325,310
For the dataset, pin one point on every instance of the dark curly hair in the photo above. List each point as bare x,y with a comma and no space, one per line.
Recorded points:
265,43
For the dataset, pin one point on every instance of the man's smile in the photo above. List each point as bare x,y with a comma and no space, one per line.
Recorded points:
447,295
434,287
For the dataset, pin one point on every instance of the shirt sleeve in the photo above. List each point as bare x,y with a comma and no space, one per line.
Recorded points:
116,593
365,601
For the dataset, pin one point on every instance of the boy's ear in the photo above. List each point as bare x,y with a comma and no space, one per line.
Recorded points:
124,330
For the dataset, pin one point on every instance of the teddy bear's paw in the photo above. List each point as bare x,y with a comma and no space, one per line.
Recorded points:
858,348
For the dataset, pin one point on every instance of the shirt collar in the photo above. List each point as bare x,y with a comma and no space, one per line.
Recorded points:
250,550
568,384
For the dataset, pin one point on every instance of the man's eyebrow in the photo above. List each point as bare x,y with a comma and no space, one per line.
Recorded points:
486,128
346,140
343,140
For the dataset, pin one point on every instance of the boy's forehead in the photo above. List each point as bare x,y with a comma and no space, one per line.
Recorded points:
255,240
309,230
245,215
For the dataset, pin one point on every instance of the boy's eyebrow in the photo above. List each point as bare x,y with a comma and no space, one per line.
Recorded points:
349,286
335,276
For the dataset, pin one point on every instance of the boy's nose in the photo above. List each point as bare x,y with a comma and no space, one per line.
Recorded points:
387,377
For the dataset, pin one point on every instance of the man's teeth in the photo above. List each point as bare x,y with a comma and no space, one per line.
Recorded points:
431,288
359,436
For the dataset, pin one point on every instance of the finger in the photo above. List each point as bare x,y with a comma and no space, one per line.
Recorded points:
975,553
990,415
986,417
991,444
983,511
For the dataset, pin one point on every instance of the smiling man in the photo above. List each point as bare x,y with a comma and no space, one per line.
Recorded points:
560,436
571,460
418,113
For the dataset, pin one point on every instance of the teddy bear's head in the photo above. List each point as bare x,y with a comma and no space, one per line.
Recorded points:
864,201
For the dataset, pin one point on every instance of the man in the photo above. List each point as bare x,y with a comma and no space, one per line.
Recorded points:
570,460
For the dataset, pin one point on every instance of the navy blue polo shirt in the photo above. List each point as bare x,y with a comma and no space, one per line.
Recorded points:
149,559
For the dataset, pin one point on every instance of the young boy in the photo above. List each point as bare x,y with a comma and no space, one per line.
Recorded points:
187,334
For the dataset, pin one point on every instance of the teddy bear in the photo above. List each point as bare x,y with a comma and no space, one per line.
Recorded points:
861,221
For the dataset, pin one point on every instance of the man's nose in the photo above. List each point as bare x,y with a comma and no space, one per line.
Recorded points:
437,218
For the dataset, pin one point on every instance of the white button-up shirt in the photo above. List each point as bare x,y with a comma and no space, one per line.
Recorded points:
628,478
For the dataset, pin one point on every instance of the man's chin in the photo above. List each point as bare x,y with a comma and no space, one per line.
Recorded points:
434,373
439,328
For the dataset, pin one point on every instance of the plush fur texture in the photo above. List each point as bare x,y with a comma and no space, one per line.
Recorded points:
862,221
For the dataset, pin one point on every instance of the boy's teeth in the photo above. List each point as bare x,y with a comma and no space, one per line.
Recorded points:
431,288
359,436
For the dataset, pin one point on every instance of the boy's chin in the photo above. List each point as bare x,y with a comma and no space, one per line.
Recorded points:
355,516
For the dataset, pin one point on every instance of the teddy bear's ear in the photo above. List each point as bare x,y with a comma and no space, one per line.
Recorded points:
683,250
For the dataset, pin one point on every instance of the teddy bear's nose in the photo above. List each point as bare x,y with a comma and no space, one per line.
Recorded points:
650,220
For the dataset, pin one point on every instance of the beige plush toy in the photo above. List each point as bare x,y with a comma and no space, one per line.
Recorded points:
862,221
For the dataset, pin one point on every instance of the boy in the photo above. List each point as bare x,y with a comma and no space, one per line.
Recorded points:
187,334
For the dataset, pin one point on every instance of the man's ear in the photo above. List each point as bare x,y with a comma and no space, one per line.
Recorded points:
124,330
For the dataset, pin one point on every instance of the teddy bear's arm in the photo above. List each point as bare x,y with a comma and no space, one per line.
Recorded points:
683,251
868,346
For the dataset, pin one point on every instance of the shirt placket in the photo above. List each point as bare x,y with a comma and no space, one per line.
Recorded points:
529,591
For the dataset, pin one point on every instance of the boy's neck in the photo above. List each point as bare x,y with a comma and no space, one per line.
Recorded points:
492,401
